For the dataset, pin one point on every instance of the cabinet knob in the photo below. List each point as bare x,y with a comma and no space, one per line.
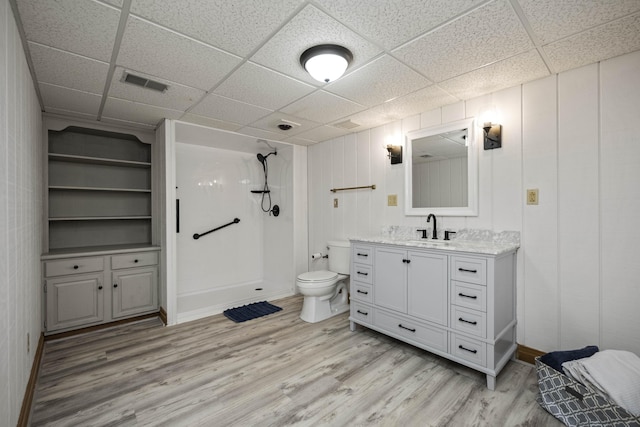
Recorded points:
115,285
100,287
75,267
135,260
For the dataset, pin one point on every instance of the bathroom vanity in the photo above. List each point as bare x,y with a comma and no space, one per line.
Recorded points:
453,298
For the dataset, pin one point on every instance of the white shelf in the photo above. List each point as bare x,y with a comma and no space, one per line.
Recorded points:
100,218
97,160
133,190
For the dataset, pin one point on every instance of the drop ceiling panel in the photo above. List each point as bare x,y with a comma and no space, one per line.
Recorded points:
239,29
379,81
137,113
159,52
261,133
552,19
270,124
62,98
323,107
229,110
500,75
490,33
309,28
67,69
84,27
608,40
418,102
391,23
207,121
176,97
322,133
254,84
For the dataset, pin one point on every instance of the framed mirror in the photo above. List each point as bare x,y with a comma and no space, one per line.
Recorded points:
441,171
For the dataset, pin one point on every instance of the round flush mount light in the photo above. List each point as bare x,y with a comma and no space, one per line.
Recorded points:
326,62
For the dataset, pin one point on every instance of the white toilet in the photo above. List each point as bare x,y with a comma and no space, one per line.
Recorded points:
325,292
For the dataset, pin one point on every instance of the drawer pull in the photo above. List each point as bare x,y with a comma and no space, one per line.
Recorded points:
467,271
363,312
406,260
467,321
75,267
461,347
467,296
404,327
362,274
364,255
362,292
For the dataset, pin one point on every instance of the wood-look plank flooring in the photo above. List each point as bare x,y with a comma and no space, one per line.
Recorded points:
272,371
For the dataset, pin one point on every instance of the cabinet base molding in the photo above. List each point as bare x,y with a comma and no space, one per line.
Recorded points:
55,336
163,315
528,354
25,410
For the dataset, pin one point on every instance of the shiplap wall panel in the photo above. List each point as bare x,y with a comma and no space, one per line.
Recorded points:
620,201
578,202
363,197
338,181
540,223
350,200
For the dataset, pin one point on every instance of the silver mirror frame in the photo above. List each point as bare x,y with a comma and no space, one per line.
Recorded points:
472,166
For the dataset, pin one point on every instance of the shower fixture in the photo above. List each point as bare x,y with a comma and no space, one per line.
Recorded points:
266,193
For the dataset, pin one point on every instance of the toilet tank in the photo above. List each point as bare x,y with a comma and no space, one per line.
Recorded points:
339,255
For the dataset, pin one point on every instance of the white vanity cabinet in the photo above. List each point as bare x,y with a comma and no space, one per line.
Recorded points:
454,303
82,291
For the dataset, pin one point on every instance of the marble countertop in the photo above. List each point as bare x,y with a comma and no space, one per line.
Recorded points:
473,241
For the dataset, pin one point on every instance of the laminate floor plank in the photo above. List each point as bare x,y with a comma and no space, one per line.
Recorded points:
272,371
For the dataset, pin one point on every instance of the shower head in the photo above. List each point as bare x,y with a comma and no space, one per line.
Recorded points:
262,159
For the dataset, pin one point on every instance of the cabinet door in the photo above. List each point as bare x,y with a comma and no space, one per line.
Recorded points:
74,301
135,291
427,287
390,279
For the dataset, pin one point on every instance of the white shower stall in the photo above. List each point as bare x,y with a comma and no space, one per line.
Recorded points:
215,180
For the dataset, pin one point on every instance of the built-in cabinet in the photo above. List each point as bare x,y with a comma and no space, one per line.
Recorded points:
459,305
100,263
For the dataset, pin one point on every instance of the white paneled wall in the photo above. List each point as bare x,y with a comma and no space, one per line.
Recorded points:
572,136
20,219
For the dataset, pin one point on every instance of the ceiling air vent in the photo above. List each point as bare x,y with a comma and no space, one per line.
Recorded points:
347,124
143,82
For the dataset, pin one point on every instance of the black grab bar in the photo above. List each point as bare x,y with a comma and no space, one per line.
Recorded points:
197,236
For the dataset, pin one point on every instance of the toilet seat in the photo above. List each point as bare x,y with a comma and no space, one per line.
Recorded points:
317,276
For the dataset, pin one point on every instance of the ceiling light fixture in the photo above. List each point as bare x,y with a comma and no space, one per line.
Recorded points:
326,62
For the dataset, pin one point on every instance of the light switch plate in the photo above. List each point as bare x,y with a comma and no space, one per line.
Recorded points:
532,196
392,200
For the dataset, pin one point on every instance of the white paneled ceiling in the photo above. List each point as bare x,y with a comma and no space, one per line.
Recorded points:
235,65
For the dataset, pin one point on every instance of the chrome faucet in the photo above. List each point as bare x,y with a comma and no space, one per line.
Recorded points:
435,230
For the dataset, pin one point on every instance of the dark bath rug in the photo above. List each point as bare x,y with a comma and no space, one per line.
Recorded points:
250,311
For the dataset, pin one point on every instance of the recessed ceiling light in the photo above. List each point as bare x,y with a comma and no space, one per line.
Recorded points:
326,62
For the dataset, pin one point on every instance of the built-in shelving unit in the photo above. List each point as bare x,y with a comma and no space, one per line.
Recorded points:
99,190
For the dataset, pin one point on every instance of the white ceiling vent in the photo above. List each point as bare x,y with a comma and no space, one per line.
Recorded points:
143,82
347,124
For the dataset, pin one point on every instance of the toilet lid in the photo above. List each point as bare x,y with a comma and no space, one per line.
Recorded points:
317,276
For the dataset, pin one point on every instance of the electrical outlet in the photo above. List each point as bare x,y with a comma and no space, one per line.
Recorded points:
335,203
392,200
532,196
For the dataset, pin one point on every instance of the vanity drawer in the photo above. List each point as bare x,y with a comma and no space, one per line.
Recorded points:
469,349
362,292
136,259
64,267
471,270
469,296
361,312
363,254
363,273
470,321
429,336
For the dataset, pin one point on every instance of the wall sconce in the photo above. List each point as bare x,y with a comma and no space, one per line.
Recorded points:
394,153
492,136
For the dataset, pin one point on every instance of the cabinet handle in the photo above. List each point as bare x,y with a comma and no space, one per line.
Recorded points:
115,285
100,287
467,321
363,312
406,260
362,292
467,271
404,327
362,274
135,261
75,267
466,349
467,296
364,255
